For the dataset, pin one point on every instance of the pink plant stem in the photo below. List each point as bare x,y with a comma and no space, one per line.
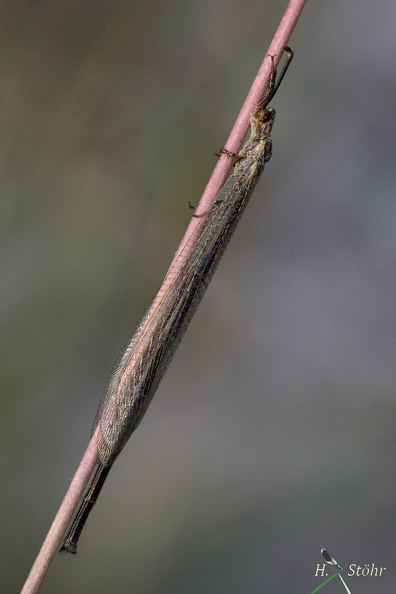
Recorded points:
220,173
62,519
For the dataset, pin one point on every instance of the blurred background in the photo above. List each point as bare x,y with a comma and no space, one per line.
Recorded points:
273,432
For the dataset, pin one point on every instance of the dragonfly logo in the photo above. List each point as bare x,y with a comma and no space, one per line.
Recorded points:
329,559
321,571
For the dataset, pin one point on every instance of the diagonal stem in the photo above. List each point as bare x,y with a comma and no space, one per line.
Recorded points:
215,183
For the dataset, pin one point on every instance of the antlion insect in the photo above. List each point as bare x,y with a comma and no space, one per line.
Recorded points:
147,356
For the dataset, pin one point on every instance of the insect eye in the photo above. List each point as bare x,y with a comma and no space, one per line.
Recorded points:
268,114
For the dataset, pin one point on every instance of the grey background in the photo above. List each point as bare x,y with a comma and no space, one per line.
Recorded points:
274,429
